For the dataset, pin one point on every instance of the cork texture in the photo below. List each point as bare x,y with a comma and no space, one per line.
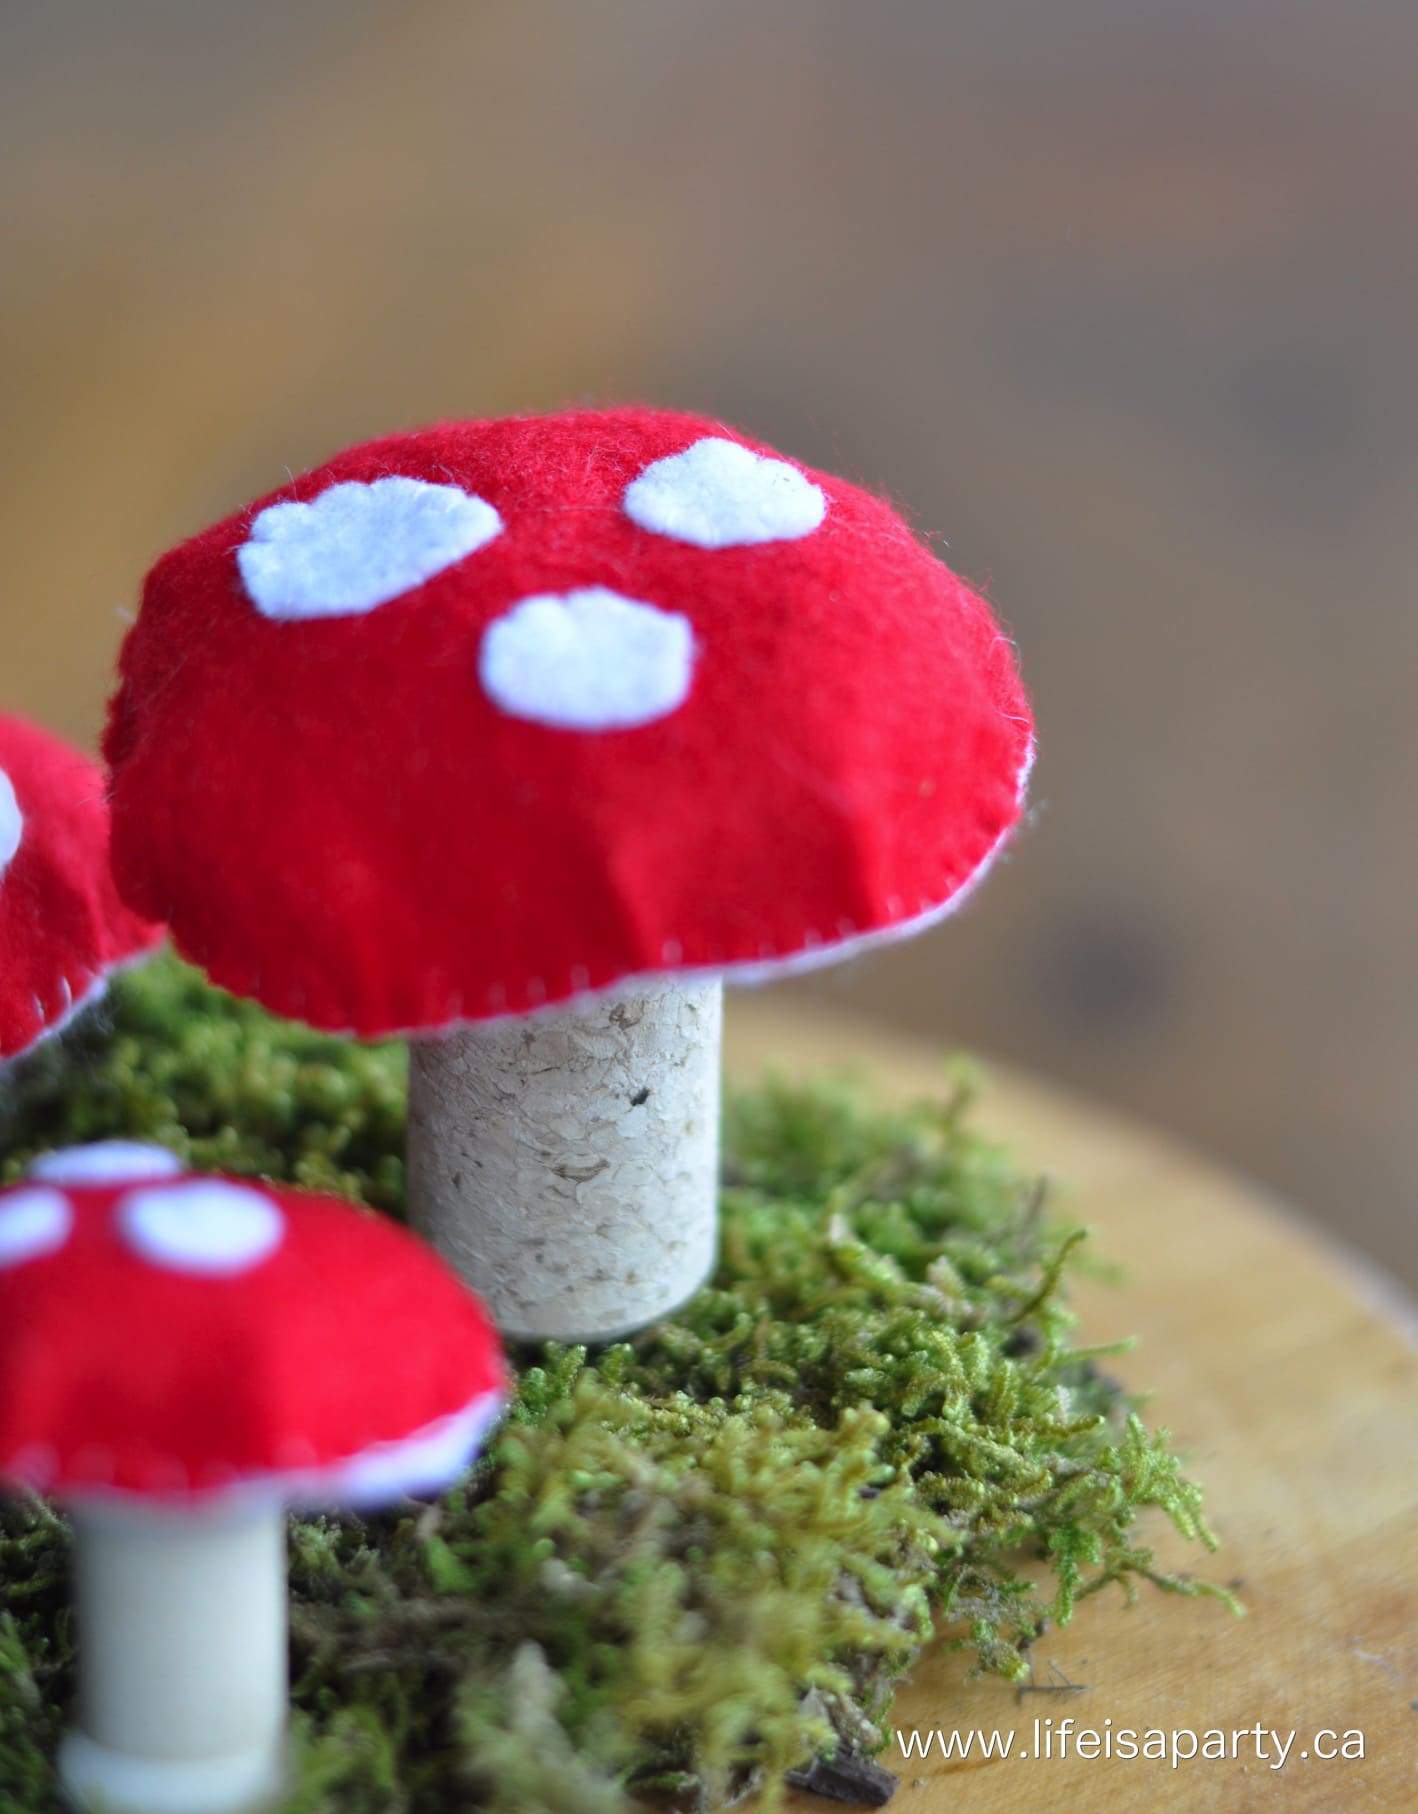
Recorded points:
567,1163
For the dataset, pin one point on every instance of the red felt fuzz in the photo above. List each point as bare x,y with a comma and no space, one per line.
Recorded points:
342,815
148,1347
62,925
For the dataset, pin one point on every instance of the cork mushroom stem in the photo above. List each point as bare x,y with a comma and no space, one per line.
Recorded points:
182,1661
566,1163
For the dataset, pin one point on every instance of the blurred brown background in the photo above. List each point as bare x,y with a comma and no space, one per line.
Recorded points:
1119,295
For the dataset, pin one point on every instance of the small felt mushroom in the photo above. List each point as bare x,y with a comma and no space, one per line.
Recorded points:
63,929
182,1357
522,737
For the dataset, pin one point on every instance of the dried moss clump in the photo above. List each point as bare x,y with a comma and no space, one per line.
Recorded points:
693,1561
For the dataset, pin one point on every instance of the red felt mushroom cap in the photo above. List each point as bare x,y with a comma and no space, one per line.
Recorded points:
482,717
63,929
179,1338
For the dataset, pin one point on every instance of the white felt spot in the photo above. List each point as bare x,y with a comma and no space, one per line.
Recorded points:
589,660
717,494
359,545
32,1224
12,822
204,1226
106,1162
424,1464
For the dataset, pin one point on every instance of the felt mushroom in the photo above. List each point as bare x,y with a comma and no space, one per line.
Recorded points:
523,736
63,929
182,1357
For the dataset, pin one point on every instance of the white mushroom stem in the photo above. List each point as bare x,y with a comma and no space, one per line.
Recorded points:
182,1661
566,1163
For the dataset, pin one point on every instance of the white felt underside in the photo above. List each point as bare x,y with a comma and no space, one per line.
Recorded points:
93,993
90,996
422,1464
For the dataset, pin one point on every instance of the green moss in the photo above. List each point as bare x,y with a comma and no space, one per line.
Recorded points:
691,1561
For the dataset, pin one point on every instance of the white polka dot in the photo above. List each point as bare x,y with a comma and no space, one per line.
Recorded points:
106,1162
589,660
358,545
717,494
33,1223
204,1226
12,822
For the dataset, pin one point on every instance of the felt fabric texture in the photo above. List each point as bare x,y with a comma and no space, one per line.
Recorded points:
63,928
135,1360
717,494
340,821
357,545
588,660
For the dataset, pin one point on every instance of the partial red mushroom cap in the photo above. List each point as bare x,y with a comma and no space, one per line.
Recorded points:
177,1338
486,716
63,929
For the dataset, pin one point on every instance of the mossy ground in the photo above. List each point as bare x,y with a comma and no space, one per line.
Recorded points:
690,1562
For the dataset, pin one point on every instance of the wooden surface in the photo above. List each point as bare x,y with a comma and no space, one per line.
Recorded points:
1290,1381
